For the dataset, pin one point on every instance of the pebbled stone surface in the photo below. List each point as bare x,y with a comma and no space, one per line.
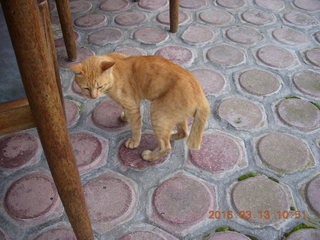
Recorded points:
308,82
119,5
105,36
228,235
151,35
313,194
130,51
309,5
130,18
216,17
289,36
152,4
80,6
72,112
18,150
241,113
212,82
191,4
275,56
92,20
317,36
164,17
300,19
198,34
259,82
313,56
283,153
233,4
275,5
140,235
82,53
61,233
310,234
226,55
258,17
177,54
299,114
244,35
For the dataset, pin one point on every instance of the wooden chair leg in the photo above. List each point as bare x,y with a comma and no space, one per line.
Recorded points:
37,72
67,29
174,15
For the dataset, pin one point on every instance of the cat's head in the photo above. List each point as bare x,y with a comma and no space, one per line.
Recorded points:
94,76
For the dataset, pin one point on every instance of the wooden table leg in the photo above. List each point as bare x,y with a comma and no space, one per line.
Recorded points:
67,29
174,15
37,72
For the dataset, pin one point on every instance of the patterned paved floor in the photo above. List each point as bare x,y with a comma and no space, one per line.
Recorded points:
258,169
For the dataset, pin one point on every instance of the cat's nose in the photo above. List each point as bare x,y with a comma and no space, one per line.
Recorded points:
94,94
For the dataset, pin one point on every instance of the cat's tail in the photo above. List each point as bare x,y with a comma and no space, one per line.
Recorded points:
198,125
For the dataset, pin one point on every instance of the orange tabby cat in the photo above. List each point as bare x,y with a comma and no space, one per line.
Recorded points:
174,92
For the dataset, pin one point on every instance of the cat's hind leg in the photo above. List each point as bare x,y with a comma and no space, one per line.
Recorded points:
182,131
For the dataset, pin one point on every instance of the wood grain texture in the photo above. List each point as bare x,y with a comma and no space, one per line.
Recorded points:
174,15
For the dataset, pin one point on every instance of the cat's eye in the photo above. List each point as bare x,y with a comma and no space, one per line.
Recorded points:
86,88
100,87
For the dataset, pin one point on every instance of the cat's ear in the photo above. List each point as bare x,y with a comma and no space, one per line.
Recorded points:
77,68
106,65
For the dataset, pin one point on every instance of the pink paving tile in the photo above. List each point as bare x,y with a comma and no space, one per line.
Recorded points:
3,236
72,112
218,152
130,51
92,20
212,82
191,4
177,54
275,56
216,17
132,157
89,150
258,17
111,199
130,18
19,150
309,5
82,53
275,5
307,234
141,235
80,6
59,42
152,4
313,194
233,4
226,55
33,199
313,56
105,36
151,35
289,36
198,34
317,36
163,17
75,88
308,82
182,202
111,5
300,19
242,113
228,235
60,233
244,35
106,116
299,114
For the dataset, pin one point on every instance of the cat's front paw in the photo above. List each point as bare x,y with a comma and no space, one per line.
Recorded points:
147,155
131,143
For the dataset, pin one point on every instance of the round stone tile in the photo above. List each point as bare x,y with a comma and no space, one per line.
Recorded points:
177,54
260,194
317,36
258,17
198,34
164,18
152,4
141,235
216,17
82,53
299,113
259,82
275,5
111,5
226,55
313,194
61,233
228,235
283,152
313,55
75,87
108,120
181,200
218,153
308,234
151,35
80,6
132,157
18,150
289,36
233,4
309,5
31,196
91,20
72,112
130,51
108,198
105,36
241,113
308,82
275,56
211,81
59,42
244,35
300,19
191,4
129,19
87,149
